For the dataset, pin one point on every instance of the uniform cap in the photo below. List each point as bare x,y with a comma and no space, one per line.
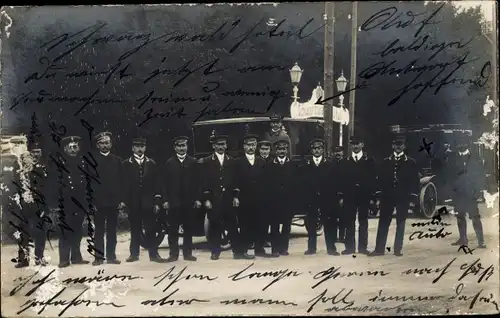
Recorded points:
264,142
355,139
399,139
275,117
68,139
179,139
217,138
102,135
249,137
282,140
338,149
315,140
35,145
139,141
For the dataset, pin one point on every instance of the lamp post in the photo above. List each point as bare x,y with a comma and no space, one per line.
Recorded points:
295,76
341,86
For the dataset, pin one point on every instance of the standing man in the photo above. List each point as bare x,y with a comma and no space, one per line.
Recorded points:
31,182
467,178
398,187
142,195
280,174
360,188
338,180
220,198
108,199
181,198
265,150
248,178
315,173
264,147
70,184
276,132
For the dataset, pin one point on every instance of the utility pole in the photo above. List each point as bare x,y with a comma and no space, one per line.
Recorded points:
328,75
352,84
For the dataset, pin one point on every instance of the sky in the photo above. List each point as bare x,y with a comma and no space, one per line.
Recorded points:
487,7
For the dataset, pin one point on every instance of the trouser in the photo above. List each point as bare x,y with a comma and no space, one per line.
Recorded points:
387,206
221,217
35,230
181,216
142,220
252,224
356,209
280,233
106,220
69,240
464,205
330,225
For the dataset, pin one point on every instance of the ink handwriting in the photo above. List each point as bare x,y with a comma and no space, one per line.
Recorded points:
167,301
174,278
277,275
334,273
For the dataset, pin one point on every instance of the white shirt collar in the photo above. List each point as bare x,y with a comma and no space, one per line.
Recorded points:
399,156
358,155
465,153
281,160
251,158
139,158
317,160
220,157
105,154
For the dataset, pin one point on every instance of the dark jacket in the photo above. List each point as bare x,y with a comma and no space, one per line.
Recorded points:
180,182
466,176
314,183
281,187
336,178
140,184
216,180
399,179
249,180
109,192
360,178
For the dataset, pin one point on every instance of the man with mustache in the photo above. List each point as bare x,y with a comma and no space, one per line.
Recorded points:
276,133
142,194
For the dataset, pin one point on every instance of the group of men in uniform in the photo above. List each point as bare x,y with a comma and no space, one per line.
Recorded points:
253,197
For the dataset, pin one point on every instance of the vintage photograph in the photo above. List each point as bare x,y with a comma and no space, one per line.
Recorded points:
302,158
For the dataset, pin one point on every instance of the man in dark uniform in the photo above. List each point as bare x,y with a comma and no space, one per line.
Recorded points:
248,178
142,194
398,187
220,198
108,199
314,175
467,179
337,178
265,150
276,133
31,183
181,198
70,188
360,188
280,177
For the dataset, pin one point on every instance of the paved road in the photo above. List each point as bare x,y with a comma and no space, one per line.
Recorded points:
346,285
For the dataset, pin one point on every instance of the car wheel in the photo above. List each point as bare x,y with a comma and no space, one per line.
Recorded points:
428,200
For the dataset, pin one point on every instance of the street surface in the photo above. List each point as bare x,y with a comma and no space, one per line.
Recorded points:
343,285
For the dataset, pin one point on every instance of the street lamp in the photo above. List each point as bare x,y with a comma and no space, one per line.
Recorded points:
295,75
341,86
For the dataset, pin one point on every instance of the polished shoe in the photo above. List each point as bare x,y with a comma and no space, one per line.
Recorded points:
63,264
214,256
481,245
172,258
97,262
284,253
262,254
275,254
113,261
364,251
190,258
347,252
334,253
132,259
80,262
243,256
22,264
41,262
309,252
398,253
459,243
376,253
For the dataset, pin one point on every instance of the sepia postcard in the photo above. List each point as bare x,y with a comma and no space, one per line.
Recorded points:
244,159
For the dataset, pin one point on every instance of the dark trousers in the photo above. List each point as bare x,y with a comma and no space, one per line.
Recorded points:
387,206
181,216
356,209
280,239
142,227
69,241
466,205
252,224
106,220
330,225
35,231
222,218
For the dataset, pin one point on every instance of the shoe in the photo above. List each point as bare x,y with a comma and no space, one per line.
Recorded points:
334,253
275,254
363,251
171,258
347,252
80,262
481,245
458,243
22,264
41,262
113,261
190,258
398,253
63,264
214,256
243,256
263,254
376,253
97,262
309,252
284,253
132,259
